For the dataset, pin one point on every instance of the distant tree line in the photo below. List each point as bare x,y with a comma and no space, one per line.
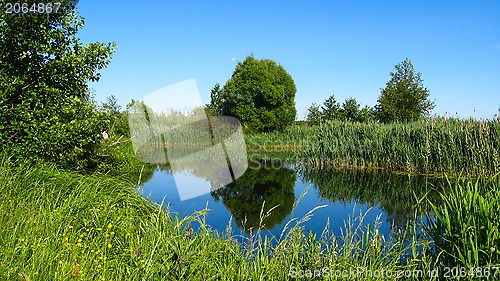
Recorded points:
404,99
331,109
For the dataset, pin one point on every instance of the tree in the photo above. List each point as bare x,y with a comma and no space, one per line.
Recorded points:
260,93
314,114
350,110
216,105
404,98
367,114
46,110
331,109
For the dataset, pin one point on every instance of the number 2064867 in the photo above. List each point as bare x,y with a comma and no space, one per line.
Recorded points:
34,8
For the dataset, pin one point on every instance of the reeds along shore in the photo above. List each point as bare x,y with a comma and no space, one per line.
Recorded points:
437,145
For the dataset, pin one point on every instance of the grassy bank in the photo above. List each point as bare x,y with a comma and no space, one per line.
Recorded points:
427,146
59,225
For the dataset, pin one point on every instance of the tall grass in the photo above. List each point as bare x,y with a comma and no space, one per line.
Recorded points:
465,227
428,146
59,225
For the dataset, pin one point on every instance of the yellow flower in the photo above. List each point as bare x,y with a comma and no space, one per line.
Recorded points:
99,229
110,225
109,245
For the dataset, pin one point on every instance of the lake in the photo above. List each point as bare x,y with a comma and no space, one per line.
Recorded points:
386,198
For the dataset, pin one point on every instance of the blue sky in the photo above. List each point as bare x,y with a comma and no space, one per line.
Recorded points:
345,48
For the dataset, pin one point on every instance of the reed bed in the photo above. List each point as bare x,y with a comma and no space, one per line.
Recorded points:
428,146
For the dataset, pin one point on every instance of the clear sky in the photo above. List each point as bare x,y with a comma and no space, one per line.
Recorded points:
345,48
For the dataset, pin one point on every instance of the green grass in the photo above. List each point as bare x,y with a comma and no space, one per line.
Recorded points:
427,146
60,225
465,226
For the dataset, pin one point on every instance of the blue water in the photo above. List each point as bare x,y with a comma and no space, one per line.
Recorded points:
162,189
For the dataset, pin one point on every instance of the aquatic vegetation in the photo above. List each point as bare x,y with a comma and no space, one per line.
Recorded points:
428,146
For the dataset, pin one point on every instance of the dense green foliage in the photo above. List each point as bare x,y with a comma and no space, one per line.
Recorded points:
260,93
332,110
46,110
425,146
404,98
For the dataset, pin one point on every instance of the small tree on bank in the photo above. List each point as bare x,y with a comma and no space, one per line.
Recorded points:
404,98
314,114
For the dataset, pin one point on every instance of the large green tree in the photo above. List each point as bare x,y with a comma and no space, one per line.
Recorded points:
260,93
404,98
46,110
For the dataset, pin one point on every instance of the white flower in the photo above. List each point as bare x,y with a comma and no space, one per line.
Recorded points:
105,135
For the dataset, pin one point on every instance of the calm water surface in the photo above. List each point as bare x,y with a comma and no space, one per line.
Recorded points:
345,193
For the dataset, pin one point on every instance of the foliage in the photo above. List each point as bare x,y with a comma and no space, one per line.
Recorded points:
333,110
314,114
404,98
260,93
118,118
350,110
46,110
465,227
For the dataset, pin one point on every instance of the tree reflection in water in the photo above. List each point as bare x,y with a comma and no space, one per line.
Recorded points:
396,194
261,185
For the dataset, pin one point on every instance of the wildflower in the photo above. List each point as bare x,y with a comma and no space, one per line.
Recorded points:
181,260
99,229
105,135
109,246
188,231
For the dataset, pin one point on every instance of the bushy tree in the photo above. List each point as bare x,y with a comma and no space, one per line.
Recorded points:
404,98
260,93
350,110
367,114
45,107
